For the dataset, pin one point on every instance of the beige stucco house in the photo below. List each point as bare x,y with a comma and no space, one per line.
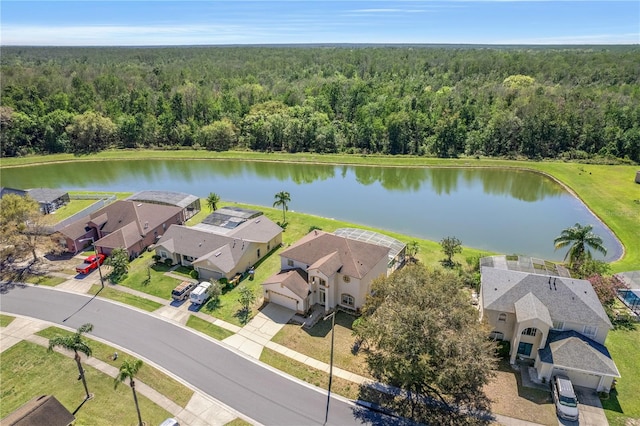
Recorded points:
551,319
329,270
227,242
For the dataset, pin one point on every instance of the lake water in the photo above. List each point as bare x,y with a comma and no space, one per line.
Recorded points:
506,211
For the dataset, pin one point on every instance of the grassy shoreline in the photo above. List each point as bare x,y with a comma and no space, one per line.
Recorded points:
609,191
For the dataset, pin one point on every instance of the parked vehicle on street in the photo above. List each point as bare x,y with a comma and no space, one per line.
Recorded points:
90,263
183,290
564,398
200,294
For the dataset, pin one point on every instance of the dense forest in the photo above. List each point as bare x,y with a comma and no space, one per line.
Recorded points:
446,101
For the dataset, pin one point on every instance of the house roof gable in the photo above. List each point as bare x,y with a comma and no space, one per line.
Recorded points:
295,280
529,307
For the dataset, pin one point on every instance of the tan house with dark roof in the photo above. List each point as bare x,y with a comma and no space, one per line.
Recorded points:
228,242
128,224
326,269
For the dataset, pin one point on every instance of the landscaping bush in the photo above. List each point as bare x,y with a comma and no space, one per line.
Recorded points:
168,262
502,349
194,274
156,257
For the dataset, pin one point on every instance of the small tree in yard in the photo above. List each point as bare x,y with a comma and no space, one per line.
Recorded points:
450,246
119,261
214,293
413,248
607,290
246,298
76,344
129,370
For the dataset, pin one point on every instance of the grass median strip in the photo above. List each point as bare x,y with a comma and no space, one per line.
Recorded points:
5,320
126,298
152,377
309,374
207,328
28,371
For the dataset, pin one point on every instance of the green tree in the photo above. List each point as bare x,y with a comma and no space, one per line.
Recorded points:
129,370
119,261
580,239
91,132
220,135
450,246
413,248
214,293
246,298
424,337
76,344
283,198
22,228
212,201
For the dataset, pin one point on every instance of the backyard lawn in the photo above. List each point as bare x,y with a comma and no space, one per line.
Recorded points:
624,401
72,207
28,370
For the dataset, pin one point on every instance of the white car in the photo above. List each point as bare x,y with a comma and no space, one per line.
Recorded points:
564,398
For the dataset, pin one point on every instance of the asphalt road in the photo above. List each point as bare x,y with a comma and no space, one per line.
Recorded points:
245,385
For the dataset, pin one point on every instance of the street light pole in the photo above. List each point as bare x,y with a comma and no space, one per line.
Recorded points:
332,315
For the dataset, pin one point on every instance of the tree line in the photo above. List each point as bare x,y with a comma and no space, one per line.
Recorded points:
520,102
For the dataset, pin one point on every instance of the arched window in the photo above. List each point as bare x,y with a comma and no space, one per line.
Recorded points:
502,317
529,331
347,300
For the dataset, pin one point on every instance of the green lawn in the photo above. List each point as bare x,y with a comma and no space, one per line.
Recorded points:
45,280
5,320
72,207
126,298
160,285
159,381
207,328
624,401
309,374
28,370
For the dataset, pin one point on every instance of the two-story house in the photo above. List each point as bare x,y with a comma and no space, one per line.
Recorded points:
331,270
554,320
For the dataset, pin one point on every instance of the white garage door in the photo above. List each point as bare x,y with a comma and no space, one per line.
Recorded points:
282,300
579,378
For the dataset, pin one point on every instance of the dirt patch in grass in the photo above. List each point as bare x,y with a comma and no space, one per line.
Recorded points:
509,398
316,343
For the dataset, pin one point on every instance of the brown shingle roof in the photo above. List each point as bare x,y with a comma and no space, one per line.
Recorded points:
41,410
357,257
295,280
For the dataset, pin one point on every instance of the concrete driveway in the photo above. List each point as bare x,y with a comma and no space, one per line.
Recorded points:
591,412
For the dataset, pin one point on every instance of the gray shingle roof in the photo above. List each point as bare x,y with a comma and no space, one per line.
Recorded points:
529,307
566,299
570,349
179,199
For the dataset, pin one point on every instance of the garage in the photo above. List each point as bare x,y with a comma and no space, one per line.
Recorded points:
579,378
282,300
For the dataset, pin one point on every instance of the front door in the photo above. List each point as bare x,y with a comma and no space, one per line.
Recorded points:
322,298
525,349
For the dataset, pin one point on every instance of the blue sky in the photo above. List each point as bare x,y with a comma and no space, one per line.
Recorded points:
135,23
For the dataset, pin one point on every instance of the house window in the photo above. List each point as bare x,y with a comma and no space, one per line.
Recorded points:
590,331
346,278
502,317
322,282
289,262
529,331
164,226
524,348
347,300
268,246
163,254
496,335
258,253
558,325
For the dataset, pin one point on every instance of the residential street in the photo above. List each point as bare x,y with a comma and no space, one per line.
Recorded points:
240,382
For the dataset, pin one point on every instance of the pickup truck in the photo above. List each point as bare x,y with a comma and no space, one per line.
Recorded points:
90,263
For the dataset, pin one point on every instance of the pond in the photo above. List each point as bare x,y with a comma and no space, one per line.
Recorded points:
506,211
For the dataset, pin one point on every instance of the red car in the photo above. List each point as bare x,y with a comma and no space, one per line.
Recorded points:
90,263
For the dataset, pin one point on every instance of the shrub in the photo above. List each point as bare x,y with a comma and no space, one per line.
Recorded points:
156,257
168,261
194,274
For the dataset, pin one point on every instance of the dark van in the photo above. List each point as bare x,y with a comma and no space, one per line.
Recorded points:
183,290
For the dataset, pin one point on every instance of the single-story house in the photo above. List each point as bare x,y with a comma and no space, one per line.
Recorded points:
190,204
327,269
229,241
553,320
128,224
41,410
49,199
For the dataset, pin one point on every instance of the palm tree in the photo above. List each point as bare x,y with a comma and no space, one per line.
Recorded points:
212,201
413,248
76,344
580,239
128,370
282,198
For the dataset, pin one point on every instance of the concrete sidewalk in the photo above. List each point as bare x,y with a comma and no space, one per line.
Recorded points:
200,410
